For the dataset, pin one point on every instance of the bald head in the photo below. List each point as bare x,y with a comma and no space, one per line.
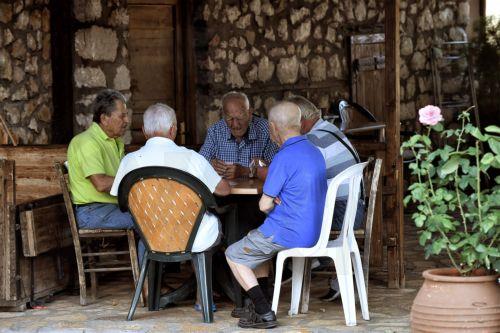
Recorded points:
286,116
284,121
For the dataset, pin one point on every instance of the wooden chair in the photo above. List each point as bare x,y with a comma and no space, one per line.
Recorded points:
85,261
168,205
359,123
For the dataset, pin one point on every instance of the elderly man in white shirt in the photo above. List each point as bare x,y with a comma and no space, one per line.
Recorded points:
160,129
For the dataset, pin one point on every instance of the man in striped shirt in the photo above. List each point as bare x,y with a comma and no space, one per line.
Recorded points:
333,145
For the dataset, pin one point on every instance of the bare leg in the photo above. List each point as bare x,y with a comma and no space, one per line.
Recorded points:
262,271
244,275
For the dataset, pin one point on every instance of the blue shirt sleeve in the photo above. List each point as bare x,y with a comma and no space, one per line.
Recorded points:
276,177
209,148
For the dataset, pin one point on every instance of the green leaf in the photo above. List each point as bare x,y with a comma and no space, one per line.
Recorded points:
494,145
487,159
450,166
438,127
475,132
481,248
493,129
424,237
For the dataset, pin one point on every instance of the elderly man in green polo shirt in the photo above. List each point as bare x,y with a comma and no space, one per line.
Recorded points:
94,156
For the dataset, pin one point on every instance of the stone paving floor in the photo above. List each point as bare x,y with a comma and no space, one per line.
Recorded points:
389,308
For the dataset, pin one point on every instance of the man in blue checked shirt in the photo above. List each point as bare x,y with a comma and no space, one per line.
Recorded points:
234,141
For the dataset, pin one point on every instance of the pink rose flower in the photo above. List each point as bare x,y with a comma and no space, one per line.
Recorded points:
430,115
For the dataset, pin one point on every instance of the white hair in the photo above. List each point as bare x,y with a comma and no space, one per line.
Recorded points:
236,95
158,118
307,109
285,115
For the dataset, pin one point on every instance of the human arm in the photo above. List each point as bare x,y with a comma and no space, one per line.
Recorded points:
223,188
266,203
102,182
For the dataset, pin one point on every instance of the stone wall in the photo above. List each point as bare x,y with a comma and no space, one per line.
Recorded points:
25,69
101,54
422,23
270,49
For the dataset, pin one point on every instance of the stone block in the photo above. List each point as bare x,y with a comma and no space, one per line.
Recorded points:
320,11
266,69
87,10
20,94
13,113
5,12
45,20
119,18
5,65
19,49
22,20
233,76
298,15
287,70
89,77
36,20
96,43
122,78
302,33
317,69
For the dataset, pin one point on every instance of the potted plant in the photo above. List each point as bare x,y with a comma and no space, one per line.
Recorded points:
457,201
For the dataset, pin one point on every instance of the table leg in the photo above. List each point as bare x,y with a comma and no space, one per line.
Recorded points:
306,286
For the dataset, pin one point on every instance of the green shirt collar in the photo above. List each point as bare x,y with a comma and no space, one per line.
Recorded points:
97,130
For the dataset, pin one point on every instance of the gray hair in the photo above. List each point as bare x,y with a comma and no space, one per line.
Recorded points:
158,118
285,115
105,103
307,109
236,95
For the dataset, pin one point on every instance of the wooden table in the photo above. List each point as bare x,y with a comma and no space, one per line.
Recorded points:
246,186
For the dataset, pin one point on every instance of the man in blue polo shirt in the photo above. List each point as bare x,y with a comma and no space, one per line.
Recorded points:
293,199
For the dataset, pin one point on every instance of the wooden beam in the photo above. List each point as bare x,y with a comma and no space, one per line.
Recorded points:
393,206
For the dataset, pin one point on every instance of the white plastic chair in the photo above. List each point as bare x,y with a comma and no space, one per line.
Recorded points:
340,250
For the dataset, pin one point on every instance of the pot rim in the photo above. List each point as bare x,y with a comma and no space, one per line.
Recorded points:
452,275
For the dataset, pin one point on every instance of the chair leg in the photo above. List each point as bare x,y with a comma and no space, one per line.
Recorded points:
93,285
297,278
360,284
277,282
138,288
154,283
344,276
306,286
81,274
134,262
203,269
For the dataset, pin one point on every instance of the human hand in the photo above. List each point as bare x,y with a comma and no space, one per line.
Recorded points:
219,166
255,164
277,201
232,171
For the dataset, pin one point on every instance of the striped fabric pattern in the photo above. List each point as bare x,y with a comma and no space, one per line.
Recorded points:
337,156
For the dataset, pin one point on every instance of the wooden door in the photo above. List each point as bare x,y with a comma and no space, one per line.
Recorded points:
156,66
367,72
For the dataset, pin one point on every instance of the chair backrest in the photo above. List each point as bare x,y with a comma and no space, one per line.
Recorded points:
167,205
371,181
354,174
62,173
352,114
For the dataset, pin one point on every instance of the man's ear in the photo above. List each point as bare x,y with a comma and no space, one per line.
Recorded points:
172,132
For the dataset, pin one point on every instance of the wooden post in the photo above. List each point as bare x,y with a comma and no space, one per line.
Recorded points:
393,206
8,271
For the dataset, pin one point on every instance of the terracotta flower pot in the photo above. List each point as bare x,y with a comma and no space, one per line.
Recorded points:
448,302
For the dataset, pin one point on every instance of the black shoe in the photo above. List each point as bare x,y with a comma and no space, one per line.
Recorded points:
331,295
255,320
244,311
